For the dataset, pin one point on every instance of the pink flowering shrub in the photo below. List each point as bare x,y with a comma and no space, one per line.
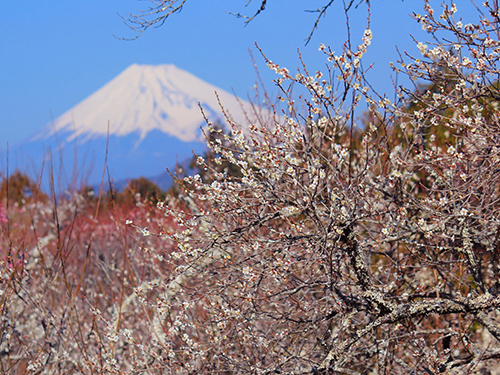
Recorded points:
67,278
3,218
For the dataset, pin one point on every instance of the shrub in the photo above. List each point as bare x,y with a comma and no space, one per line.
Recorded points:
19,188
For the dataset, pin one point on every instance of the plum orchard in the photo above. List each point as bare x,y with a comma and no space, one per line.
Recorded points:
319,241
336,249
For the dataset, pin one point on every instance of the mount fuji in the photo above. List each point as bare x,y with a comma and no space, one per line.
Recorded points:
154,118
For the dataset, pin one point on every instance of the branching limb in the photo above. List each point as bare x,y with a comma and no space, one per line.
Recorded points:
410,311
155,16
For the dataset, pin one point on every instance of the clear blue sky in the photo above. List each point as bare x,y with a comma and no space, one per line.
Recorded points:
54,53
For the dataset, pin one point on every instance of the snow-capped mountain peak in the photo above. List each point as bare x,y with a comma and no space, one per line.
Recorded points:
154,119
144,98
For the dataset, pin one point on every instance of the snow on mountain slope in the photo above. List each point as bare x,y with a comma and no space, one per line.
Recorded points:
146,97
154,123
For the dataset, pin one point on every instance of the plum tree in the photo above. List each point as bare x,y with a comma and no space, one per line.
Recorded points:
337,249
